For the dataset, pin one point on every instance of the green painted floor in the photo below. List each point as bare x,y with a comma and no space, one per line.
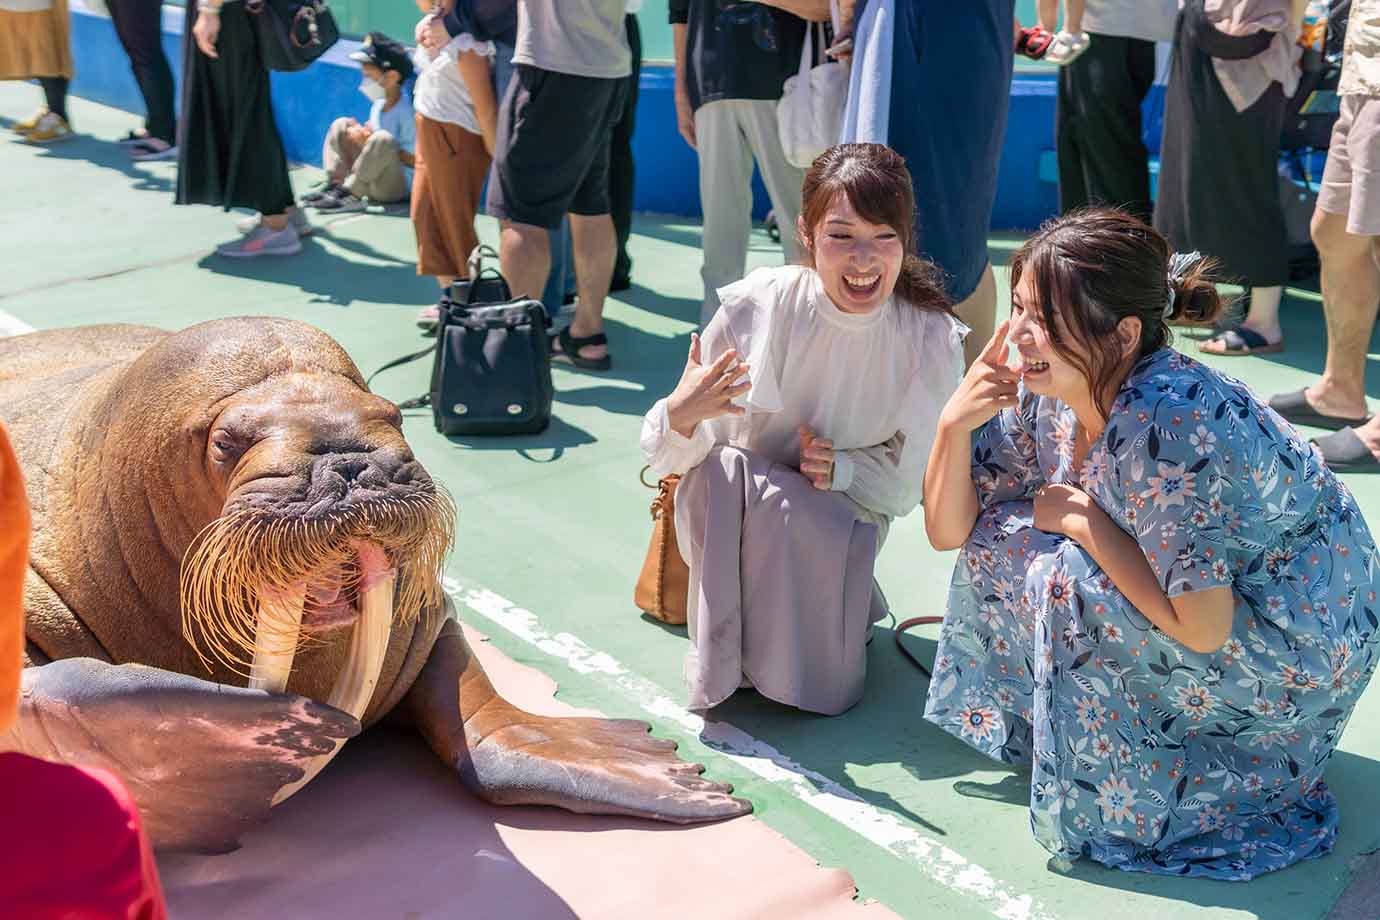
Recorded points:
558,525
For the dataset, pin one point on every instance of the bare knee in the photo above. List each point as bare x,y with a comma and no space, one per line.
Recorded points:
1330,235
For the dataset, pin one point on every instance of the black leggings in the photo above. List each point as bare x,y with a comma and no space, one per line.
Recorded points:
55,93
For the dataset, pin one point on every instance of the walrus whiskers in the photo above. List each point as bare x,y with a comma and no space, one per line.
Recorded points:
243,554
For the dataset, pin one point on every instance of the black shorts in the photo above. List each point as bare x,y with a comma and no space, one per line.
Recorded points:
552,157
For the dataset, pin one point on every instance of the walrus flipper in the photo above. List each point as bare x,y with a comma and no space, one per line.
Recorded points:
203,761
592,766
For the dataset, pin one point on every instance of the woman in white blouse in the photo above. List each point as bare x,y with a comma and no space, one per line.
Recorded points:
801,426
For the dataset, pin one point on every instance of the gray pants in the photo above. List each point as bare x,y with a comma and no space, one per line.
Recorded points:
370,170
729,134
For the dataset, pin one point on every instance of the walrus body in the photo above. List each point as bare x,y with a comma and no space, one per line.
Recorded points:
135,444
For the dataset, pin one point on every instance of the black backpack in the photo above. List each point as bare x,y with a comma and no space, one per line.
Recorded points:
491,364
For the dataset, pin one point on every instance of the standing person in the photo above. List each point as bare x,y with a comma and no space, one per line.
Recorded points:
554,133
1162,602
1102,157
374,160
731,62
35,43
457,126
139,26
621,173
801,427
939,96
1346,229
1235,65
231,153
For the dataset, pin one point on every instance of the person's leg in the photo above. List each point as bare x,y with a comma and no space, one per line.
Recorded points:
1048,14
55,95
783,181
338,152
1101,92
979,311
725,197
524,255
1073,16
378,173
621,170
1351,292
596,246
138,25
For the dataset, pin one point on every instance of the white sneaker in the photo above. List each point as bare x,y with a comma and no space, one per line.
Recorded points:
297,218
263,241
1067,46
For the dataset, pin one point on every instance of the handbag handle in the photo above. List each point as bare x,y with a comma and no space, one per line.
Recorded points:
807,55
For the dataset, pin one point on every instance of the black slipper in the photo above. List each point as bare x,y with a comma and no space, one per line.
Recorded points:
569,351
1296,409
1345,452
1241,341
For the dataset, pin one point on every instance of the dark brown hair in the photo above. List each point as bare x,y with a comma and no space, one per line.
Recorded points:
1098,266
876,182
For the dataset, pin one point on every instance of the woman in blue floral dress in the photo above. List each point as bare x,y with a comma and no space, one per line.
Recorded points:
1165,604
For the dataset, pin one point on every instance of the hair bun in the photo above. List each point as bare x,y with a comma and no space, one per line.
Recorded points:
1196,300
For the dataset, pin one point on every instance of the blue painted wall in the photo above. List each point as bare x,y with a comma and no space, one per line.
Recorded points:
667,170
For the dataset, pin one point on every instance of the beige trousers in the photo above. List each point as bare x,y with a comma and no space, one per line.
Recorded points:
370,170
729,134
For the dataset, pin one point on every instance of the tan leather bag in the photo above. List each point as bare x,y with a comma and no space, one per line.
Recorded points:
664,584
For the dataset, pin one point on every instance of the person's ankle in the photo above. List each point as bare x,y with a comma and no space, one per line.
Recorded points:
1332,399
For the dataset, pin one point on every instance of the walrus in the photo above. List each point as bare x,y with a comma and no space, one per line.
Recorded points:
235,568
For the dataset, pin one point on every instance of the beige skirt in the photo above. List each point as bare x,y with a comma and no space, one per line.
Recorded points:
34,42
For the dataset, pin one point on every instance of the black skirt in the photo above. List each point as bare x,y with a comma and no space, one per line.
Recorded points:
1219,168
229,151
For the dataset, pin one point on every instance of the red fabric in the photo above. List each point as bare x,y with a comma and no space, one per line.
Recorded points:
73,847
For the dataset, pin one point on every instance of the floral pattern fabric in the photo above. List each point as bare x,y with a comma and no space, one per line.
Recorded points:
1145,755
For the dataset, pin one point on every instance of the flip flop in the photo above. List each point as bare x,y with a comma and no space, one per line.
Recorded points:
1241,341
569,351
1345,452
1295,408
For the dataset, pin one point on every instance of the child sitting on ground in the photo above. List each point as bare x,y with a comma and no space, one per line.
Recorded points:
457,123
372,160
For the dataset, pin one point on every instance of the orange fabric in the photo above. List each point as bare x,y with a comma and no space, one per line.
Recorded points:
14,561
35,44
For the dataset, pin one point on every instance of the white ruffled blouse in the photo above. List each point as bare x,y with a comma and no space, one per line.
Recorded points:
872,383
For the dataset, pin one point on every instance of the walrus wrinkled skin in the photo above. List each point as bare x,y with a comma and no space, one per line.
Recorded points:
132,441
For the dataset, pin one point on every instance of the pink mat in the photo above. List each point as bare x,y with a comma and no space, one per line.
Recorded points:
387,831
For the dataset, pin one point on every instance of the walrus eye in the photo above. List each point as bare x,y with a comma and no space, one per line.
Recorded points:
225,447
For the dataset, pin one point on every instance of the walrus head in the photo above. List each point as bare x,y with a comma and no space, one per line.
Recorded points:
310,514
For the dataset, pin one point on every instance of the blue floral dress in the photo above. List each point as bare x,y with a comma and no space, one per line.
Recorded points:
1145,755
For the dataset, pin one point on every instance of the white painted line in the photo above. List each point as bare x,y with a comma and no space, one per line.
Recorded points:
928,856
12,325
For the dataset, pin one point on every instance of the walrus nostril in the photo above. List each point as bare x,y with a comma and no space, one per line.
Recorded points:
350,470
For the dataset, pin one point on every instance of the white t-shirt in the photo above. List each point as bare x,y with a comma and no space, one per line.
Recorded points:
873,383
441,94
399,121
1152,20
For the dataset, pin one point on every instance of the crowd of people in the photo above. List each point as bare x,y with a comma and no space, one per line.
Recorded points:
1159,578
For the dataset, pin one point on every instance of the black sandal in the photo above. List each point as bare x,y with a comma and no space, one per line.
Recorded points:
570,346
1345,452
1240,341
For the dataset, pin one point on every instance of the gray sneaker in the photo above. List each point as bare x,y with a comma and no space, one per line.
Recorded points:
298,219
340,203
263,241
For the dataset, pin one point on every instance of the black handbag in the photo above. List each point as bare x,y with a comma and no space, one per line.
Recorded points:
491,364
292,33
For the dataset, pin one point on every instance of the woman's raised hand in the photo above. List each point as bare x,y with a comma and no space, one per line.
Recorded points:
988,387
706,393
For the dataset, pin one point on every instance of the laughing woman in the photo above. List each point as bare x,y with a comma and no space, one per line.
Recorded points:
1165,603
802,425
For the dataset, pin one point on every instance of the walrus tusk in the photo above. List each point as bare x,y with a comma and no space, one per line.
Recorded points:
354,688
275,637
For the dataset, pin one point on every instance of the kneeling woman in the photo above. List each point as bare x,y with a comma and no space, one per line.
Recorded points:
1164,600
802,425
